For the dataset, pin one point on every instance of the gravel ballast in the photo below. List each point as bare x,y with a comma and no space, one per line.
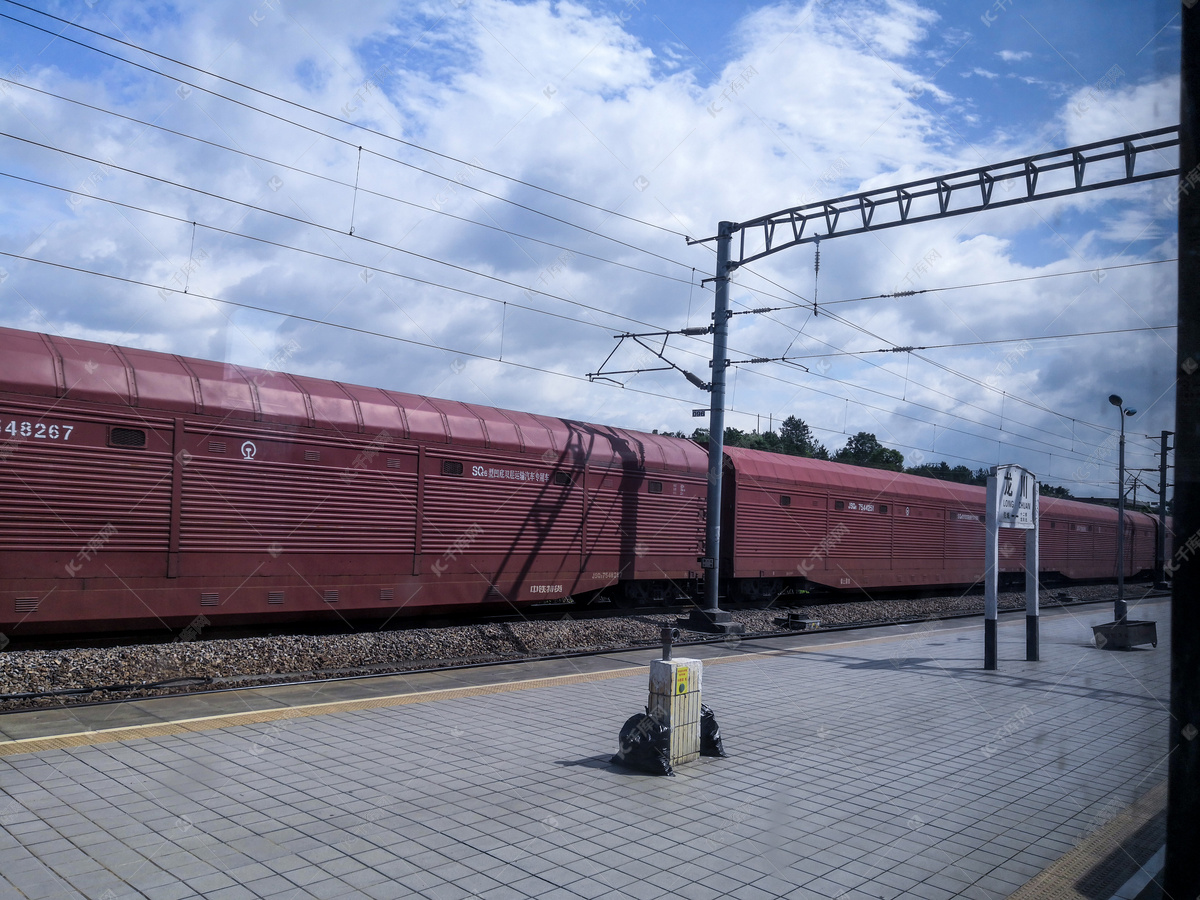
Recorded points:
236,662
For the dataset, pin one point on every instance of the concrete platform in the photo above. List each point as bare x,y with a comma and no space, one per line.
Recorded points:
881,764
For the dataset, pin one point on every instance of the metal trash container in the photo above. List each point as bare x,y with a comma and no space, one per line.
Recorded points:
1125,635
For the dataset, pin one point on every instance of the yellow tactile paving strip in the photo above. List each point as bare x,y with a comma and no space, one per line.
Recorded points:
1087,871
253,717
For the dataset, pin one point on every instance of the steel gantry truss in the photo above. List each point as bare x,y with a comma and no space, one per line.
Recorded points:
1056,173
1042,176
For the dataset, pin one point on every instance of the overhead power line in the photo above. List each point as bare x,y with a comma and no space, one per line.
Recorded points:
1015,397
924,420
329,179
1020,340
983,462
301,106
343,260
299,221
324,322
1001,281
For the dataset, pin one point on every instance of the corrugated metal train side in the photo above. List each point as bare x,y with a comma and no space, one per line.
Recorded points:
142,489
790,520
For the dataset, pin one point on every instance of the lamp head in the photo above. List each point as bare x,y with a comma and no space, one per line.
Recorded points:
1114,399
1131,412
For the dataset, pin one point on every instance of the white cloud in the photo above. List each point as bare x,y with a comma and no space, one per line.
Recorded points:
1112,107
817,100
1014,55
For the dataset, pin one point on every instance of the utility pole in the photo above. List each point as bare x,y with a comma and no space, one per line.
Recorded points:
711,617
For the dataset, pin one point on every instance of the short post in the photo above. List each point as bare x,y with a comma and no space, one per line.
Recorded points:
668,635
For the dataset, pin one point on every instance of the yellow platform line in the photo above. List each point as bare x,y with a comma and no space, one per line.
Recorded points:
1079,874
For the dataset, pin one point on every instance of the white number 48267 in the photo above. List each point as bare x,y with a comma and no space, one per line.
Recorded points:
38,430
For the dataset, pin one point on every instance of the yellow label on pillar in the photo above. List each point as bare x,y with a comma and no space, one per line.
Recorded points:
681,680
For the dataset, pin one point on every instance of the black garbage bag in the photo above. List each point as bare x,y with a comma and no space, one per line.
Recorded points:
645,745
710,734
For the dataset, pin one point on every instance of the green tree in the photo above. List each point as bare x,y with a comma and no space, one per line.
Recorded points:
796,439
1057,490
767,440
944,472
864,449
735,437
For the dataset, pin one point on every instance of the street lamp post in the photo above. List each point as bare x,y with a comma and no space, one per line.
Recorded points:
1120,611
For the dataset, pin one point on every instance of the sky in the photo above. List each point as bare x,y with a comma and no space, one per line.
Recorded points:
470,199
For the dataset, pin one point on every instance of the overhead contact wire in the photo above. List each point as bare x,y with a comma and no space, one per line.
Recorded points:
361,189
301,106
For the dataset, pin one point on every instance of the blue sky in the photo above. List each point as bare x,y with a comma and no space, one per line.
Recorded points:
675,114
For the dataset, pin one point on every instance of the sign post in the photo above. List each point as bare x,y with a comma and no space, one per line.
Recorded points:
1011,503
1032,650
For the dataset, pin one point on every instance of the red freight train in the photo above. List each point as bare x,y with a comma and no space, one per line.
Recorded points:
143,489
851,527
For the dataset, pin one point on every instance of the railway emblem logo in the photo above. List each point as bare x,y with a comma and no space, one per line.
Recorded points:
249,450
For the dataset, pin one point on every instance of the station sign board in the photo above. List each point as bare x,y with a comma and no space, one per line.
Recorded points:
1017,488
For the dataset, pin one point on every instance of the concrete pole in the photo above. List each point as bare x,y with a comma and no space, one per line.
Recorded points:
1182,875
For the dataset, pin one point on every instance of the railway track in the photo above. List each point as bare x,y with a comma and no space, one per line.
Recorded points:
69,686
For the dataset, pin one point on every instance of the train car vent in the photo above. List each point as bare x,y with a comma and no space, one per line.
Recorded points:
210,599
883,509
562,478
655,487
387,595
450,467
126,437
331,596
216,446
275,597
839,504
312,455
785,500
393,463
25,605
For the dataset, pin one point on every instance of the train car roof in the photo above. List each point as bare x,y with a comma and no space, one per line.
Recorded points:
780,469
42,365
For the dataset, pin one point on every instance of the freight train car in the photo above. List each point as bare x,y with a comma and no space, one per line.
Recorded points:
789,521
142,489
